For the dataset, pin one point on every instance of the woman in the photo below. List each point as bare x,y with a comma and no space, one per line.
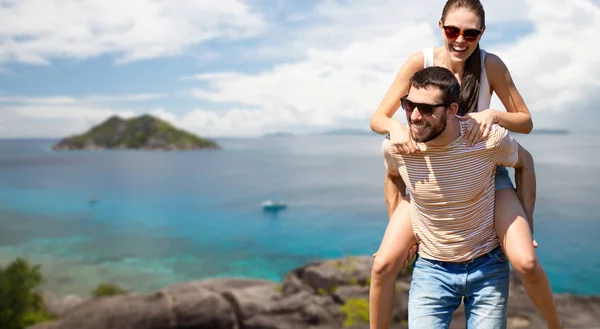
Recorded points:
462,24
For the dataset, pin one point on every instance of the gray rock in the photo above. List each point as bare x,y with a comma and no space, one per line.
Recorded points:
342,294
132,312
327,276
47,325
194,306
310,297
265,307
60,306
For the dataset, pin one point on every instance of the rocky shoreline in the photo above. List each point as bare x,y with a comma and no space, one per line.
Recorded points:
319,295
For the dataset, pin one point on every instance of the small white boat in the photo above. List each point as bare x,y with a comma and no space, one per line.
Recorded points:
272,205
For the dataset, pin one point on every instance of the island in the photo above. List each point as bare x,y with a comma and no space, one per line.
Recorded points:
145,132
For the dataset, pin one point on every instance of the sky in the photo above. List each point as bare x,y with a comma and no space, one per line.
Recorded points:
247,68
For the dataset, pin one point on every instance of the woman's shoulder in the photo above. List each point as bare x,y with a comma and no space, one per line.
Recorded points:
438,51
414,62
493,63
416,58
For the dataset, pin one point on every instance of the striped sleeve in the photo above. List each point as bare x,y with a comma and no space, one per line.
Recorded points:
506,151
391,164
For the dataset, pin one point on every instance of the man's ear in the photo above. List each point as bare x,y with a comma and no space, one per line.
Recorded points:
452,110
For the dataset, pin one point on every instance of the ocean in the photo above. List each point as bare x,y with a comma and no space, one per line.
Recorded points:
147,219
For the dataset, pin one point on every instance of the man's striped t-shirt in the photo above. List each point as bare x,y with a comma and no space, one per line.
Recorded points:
452,193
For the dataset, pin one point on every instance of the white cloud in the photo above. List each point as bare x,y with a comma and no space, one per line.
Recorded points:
67,100
556,67
36,31
54,100
345,56
52,121
351,60
235,122
61,115
210,76
328,86
336,23
124,98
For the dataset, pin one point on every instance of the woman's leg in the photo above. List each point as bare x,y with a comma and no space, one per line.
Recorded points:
515,237
393,251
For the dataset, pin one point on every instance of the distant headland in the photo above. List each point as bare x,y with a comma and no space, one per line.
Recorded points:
550,131
342,131
348,131
279,134
143,132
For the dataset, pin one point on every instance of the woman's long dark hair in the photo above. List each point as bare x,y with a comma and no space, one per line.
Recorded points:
469,95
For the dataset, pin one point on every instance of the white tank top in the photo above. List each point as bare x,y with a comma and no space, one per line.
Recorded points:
485,97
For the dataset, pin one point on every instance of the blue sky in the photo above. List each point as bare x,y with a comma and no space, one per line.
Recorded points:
245,68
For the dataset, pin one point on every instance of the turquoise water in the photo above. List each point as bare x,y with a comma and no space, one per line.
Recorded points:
165,217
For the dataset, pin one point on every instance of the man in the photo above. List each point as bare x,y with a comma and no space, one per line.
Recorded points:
451,189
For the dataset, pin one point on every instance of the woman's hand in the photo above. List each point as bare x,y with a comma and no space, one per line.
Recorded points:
480,126
401,139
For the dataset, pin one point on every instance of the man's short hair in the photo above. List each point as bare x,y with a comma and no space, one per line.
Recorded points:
440,78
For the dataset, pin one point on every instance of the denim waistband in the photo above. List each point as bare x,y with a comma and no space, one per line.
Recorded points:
479,259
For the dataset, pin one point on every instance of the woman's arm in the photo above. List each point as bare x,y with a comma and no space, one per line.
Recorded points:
382,122
526,183
517,117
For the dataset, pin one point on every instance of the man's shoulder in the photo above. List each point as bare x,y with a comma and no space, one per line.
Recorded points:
495,137
389,151
386,143
464,124
386,146
497,132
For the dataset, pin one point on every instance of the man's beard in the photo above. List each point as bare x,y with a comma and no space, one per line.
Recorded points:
435,130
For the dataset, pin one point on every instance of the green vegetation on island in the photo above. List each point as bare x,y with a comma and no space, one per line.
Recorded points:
142,132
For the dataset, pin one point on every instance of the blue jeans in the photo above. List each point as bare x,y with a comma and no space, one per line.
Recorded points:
437,289
502,179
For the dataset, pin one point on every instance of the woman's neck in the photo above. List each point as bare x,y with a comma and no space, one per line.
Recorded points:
455,67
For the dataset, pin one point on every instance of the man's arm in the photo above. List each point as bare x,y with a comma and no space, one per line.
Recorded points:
526,184
394,191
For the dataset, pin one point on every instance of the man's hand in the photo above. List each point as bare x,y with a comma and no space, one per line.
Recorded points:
411,255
